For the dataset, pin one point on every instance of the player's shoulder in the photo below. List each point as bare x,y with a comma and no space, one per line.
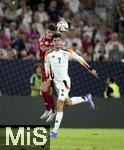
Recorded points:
42,38
67,50
49,52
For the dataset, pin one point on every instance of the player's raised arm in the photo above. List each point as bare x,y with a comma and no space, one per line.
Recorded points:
80,59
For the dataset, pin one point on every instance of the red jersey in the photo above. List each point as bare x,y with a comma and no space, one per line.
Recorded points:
44,45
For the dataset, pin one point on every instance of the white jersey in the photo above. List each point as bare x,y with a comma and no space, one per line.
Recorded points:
56,63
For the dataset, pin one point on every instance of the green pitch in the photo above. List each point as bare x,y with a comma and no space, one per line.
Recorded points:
80,139
89,139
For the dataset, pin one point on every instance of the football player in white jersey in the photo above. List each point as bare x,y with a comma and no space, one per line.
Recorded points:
56,67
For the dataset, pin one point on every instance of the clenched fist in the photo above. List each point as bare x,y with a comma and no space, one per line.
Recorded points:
94,73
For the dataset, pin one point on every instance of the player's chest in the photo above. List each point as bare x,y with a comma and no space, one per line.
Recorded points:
58,58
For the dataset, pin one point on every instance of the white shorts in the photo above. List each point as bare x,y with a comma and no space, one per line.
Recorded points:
62,88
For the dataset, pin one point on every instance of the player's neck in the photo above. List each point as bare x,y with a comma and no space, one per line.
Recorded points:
56,49
47,37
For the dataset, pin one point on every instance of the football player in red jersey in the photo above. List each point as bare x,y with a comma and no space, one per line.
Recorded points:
45,43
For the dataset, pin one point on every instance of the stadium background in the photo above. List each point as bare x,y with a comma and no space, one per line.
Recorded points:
100,21
95,27
15,77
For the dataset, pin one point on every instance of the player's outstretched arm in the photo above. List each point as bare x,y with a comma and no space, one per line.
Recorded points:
80,59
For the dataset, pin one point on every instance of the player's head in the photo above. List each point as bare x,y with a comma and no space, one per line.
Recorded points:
51,29
57,40
111,79
38,69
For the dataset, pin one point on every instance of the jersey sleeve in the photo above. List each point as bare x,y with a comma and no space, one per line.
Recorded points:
78,58
47,66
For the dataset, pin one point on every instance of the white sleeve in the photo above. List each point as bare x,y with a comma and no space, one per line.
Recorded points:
80,59
47,66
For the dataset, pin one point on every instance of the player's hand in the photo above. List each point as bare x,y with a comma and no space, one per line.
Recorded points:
94,73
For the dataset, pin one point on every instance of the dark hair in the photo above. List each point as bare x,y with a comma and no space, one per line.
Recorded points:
51,27
36,66
74,44
57,35
113,78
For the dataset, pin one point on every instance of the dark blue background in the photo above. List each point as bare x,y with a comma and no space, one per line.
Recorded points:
15,77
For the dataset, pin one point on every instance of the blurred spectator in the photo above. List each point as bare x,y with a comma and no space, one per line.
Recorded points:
101,50
65,6
23,54
90,53
20,42
21,29
1,13
77,22
10,54
88,28
115,54
33,33
39,25
22,6
114,40
22,24
11,14
4,39
73,5
36,80
27,55
95,34
27,17
86,57
77,38
108,33
67,17
82,12
34,3
86,42
43,16
11,32
73,37
112,89
119,16
111,4
2,55
68,38
53,12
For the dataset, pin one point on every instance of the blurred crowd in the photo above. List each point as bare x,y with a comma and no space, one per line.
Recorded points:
22,23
